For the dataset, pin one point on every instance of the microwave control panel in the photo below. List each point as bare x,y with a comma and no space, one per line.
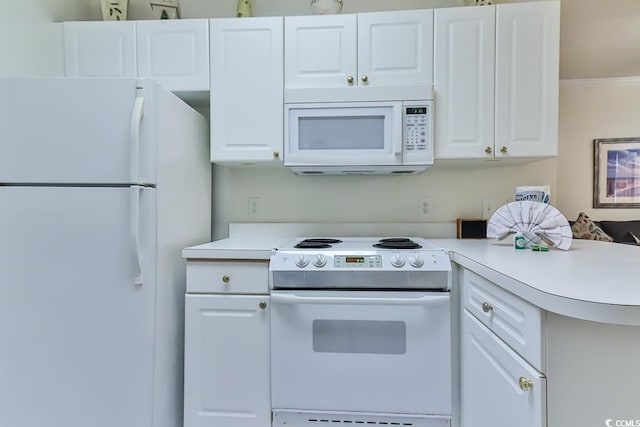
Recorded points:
416,128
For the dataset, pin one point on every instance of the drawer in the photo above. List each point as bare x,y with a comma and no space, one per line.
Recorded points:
228,277
517,322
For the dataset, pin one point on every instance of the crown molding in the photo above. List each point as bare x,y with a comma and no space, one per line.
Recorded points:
601,81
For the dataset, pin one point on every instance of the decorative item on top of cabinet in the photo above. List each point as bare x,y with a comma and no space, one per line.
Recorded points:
165,9
114,10
243,9
326,7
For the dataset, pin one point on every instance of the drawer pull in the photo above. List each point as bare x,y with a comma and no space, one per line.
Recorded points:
226,278
486,307
525,384
262,305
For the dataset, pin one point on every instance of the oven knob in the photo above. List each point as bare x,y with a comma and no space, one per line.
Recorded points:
396,261
416,261
302,261
320,261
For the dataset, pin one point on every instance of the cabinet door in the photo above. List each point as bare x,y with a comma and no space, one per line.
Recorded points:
246,90
395,48
320,51
175,53
491,390
226,380
527,67
464,82
100,49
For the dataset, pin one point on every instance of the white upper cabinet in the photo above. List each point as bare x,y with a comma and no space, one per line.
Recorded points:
527,78
100,49
320,51
496,81
464,81
175,53
247,90
366,49
395,48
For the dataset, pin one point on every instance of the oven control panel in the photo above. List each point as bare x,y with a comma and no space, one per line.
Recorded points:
435,260
357,261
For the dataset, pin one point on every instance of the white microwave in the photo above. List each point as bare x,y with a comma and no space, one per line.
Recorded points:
361,137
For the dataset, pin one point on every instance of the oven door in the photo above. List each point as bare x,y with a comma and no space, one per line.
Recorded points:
361,351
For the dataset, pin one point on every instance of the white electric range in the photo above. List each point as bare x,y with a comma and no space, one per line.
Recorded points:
360,332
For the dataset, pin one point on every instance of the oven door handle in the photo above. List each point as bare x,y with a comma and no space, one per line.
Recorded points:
297,299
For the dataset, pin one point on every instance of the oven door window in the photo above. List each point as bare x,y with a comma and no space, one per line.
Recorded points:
363,351
359,336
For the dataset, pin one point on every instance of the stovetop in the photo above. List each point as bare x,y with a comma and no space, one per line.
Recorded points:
358,243
359,263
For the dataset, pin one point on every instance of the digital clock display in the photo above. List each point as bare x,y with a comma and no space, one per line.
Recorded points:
417,110
354,259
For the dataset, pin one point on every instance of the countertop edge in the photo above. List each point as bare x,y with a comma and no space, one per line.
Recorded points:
569,307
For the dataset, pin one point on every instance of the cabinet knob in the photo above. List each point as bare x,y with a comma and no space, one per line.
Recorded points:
488,150
486,307
262,305
276,154
364,78
503,150
226,278
350,79
525,384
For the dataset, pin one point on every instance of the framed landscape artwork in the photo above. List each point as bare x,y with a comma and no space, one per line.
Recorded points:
616,173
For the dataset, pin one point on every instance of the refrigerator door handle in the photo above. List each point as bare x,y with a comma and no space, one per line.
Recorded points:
136,191
136,120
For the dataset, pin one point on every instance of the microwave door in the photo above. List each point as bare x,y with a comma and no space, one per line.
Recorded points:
344,134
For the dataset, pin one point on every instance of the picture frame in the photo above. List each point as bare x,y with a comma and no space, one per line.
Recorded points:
616,173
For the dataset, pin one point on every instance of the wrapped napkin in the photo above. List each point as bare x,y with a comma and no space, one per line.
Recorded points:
531,219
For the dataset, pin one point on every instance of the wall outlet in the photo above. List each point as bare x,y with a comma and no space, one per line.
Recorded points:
425,207
488,207
254,205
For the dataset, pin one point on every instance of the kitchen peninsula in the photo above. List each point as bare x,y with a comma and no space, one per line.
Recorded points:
551,338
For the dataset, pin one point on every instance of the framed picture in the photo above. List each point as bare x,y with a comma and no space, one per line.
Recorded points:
616,173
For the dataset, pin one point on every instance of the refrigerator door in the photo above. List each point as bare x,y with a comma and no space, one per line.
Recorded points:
89,131
77,331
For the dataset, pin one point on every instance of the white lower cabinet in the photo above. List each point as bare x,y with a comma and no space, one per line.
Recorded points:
499,388
226,378
502,357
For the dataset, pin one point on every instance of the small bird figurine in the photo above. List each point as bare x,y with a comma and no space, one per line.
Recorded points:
325,7
244,8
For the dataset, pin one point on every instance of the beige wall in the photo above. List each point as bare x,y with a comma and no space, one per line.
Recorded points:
454,192
592,109
30,38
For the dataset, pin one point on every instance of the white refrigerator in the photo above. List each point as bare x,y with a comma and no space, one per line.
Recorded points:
102,183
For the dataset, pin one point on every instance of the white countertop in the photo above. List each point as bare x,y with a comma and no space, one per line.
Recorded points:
595,281
234,248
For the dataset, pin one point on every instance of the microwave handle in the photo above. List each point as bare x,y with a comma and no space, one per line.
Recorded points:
297,299
398,125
